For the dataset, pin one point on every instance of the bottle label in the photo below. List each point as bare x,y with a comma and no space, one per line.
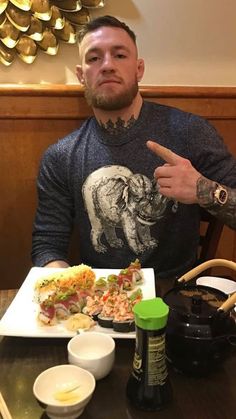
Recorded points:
157,370
137,366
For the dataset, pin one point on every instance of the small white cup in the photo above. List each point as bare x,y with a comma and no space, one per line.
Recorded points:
92,351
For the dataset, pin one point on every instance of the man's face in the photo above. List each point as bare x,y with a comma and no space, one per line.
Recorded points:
110,69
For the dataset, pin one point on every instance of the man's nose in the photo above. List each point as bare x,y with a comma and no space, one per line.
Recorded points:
108,63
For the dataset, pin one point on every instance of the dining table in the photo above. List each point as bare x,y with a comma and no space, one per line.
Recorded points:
22,359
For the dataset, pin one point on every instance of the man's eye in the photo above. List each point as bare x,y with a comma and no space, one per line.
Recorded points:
92,59
120,56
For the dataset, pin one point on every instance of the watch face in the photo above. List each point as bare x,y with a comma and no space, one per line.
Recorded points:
220,195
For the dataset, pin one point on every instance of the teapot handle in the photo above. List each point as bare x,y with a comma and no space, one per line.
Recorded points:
205,265
228,304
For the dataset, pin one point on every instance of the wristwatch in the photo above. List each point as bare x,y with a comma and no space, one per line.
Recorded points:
220,195
210,193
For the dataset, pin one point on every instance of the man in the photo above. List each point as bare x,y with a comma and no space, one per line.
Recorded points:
101,177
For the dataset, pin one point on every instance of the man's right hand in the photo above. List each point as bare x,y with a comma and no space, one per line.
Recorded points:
57,264
177,179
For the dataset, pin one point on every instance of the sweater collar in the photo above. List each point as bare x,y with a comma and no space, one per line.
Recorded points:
121,135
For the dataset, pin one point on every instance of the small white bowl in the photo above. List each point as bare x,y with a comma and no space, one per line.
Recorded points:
62,378
92,351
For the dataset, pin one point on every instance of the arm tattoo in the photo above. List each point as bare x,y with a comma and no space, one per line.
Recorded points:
226,212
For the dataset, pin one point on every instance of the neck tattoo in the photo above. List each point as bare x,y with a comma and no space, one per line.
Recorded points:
118,127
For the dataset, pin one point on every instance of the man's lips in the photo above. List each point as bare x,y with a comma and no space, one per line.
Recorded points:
108,81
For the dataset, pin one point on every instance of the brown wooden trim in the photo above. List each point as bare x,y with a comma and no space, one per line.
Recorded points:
40,90
188,92
67,101
147,91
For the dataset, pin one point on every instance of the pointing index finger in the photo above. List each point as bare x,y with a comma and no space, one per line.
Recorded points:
163,152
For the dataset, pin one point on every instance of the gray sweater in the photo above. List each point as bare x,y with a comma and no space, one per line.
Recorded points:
103,183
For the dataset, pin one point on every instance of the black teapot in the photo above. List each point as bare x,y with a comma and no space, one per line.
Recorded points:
201,327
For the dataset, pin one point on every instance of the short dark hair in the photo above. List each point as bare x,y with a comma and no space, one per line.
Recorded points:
109,21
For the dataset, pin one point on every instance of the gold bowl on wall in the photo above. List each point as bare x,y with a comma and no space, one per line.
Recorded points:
19,18
9,34
29,26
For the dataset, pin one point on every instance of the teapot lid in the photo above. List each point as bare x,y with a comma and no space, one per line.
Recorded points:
194,300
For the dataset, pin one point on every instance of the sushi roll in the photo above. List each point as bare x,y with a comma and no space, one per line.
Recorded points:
66,303
100,286
136,296
124,326
74,305
123,311
129,277
105,318
112,282
47,313
82,297
125,280
104,321
93,306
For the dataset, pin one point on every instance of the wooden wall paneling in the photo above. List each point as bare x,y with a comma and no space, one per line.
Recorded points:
22,143
32,117
43,107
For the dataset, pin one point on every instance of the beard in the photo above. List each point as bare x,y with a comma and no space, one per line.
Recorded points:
111,102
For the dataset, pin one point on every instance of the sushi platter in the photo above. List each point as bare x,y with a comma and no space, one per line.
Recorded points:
21,318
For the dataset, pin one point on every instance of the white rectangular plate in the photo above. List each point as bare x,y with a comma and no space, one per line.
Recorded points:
20,318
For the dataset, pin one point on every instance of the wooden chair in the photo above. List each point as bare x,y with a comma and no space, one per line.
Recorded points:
210,233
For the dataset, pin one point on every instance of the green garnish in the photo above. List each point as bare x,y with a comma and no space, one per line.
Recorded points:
112,278
101,281
136,294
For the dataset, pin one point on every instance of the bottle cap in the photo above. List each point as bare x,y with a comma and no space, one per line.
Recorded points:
151,314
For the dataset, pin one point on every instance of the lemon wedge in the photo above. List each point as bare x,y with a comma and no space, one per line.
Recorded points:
68,392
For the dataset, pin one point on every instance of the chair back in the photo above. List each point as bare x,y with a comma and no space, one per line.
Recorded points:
210,233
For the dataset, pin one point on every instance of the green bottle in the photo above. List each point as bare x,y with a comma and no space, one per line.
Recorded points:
148,387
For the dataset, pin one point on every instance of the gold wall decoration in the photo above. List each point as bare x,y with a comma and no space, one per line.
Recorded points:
27,26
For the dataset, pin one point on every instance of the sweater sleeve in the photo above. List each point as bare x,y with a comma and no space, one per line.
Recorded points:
55,211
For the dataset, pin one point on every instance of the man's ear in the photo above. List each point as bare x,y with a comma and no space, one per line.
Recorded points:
79,74
140,69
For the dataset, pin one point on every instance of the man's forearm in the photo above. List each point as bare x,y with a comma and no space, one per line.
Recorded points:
206,195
